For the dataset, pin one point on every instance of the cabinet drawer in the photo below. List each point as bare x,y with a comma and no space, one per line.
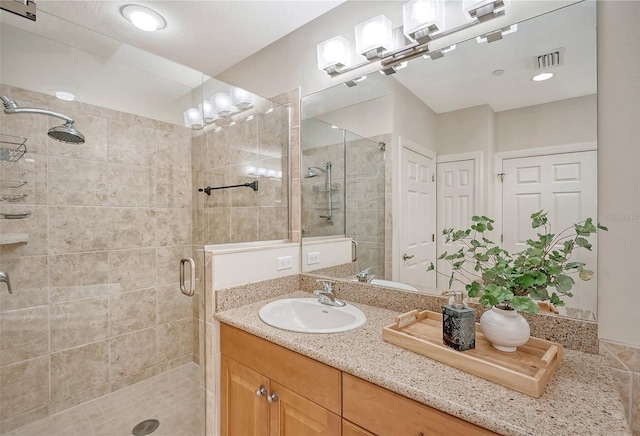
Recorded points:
311,379
386,413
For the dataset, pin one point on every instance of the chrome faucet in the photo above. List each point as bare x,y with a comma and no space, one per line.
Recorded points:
4,278
364,276
327,296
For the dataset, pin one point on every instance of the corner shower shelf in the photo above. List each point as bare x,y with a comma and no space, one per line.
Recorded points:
12,183
13,238
15,216
12,198
12,148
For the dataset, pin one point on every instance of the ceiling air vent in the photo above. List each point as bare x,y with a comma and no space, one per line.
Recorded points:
550,59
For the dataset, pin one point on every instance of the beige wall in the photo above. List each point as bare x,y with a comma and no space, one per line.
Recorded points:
96,304
618,107
562,122
367,119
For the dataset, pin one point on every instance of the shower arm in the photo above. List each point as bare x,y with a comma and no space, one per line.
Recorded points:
11,107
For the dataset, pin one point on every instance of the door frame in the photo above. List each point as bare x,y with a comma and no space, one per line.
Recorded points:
495,185
397,155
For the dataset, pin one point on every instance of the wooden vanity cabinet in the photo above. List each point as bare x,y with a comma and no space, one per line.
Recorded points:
313,398
307,397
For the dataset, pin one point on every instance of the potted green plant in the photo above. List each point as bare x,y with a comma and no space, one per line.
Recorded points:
515,282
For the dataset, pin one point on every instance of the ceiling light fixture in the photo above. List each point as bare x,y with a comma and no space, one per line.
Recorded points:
66,96
143,18
542,77
423,21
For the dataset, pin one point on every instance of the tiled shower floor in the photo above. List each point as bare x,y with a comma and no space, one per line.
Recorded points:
174,398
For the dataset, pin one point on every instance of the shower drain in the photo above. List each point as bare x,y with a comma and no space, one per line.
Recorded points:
145,427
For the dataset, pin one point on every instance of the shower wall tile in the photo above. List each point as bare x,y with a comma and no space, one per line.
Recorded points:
172,304
217,225
218,197
173,188
78,229
94,130
33,127
133,227
197,151
131,311
21,334
243,142
131,186
132,144
61,294
24,387
35,226
168,261
244,224
79,322
132,353
29,282
174,149
175,339
273,223
173,227
133,269
79,369
77,182
217,149
85,273
129,380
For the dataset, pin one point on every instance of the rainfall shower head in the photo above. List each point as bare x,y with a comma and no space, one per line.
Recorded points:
311,173
65,133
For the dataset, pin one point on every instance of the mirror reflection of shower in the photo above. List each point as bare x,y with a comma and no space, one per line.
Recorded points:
328,186
64,133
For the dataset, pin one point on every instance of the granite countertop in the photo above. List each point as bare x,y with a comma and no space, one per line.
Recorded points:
580,399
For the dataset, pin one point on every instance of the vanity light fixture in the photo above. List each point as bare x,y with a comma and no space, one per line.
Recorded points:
392,69
241,99
353,82
542,77
143,17
222,104
423,21
193,118
497,35
207,112
437,54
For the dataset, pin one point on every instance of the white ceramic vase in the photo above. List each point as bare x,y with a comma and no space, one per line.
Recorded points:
506,329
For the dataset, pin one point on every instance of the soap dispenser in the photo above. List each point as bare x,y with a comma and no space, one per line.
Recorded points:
458,324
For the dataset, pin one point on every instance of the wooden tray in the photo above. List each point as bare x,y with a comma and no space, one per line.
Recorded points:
527,370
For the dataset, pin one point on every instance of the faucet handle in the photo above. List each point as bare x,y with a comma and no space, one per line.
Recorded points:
327,284
364,273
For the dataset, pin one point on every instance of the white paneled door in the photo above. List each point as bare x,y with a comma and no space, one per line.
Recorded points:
455,206
418,215
565,185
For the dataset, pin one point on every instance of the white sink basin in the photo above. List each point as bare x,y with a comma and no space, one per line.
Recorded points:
307,315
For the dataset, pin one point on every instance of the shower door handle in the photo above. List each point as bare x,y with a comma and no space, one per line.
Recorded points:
354,250
192,277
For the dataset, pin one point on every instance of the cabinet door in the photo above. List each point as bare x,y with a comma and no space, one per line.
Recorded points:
242,412
294,415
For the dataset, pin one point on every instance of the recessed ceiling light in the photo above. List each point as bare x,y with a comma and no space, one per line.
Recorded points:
66,96
542,76
143,18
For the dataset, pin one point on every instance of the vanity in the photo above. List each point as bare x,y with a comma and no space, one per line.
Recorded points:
354,383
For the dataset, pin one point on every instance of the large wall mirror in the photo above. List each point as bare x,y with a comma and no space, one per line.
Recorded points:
477,131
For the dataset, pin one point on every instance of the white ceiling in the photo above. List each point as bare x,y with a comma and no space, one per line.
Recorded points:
209,36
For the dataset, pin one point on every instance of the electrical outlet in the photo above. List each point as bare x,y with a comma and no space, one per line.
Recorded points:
285,262
313,258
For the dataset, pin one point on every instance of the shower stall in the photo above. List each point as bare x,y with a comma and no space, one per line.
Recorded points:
345,179
96,336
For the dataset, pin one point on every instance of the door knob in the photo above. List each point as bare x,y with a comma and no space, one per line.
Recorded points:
406,257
